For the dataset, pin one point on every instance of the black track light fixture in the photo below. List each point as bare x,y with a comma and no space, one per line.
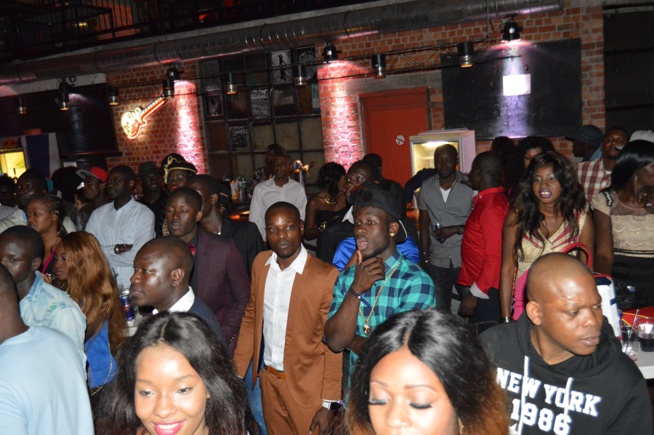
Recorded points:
465,50
299,75
511,30
20,106
112,95
173,73
64,99
379,65
230,85
168,89
330,52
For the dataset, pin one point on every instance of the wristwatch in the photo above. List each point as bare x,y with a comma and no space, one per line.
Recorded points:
460,232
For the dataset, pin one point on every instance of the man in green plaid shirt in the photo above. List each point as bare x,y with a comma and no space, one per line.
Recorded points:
382,283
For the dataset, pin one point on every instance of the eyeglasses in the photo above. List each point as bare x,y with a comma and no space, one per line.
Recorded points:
116,181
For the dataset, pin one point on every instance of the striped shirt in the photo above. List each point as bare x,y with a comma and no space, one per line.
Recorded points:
408,288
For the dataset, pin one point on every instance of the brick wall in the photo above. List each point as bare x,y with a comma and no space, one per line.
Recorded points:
175,127
341,117
167,132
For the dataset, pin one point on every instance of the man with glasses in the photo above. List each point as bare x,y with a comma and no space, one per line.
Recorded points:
595,175
122,226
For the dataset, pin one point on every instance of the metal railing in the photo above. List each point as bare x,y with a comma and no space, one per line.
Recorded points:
41,28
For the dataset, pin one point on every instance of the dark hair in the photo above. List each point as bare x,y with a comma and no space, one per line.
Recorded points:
448,348
66,180
634,156
188,193
272,150
329,176
54,204
570,204
227,408
372,170
6,180
618,128
125,171
373,159
282,205
28,236
516,165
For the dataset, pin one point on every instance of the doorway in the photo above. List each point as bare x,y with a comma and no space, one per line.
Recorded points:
389,119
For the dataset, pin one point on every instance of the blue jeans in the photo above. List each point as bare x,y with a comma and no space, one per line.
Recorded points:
254,397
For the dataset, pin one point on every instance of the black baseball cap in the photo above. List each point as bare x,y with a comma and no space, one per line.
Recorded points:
373,196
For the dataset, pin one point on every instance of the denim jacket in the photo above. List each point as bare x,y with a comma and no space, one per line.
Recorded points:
46,305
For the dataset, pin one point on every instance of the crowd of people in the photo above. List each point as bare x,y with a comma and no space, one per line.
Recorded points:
482,322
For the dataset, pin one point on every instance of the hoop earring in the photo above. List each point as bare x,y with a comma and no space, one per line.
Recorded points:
461,427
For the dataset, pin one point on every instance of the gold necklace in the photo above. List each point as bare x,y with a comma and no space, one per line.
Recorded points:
329,201
367,329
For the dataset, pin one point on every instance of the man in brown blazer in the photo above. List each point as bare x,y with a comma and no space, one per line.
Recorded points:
289,301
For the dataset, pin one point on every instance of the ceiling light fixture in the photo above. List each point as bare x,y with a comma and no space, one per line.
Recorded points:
465,50
379,65
330,52
173,73
168,89
230,87
112,95
511,30
64,100
20,106
299,75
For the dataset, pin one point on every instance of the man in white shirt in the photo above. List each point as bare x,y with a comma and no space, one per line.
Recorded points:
43,376
278,188
123,226
162,270
289,302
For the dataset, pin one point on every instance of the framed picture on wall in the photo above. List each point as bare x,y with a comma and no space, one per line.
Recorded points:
213,105
210,71
238,137
282,70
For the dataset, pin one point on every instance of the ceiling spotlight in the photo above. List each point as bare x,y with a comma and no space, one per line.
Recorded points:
465,51
299,75
230,87
168,89
379,65
20,106
64,101
511,30
173,73
112,95
330,53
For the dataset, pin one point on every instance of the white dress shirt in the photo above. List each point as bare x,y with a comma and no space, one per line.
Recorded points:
132,224
267,193
276,301
182,305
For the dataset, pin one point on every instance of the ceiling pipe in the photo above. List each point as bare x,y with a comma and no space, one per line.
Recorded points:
283,34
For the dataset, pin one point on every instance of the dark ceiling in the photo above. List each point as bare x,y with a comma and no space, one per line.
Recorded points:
37,28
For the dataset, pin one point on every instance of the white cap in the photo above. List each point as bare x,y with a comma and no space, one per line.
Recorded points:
647,135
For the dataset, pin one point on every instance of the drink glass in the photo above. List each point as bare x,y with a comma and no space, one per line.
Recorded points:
646,337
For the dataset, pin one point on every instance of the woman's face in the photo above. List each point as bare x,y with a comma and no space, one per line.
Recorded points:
169,396
645,177
60,265
40,217
407,398
177,178
545,185
530,154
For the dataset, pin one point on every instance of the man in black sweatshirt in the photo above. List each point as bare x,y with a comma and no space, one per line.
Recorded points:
560,364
